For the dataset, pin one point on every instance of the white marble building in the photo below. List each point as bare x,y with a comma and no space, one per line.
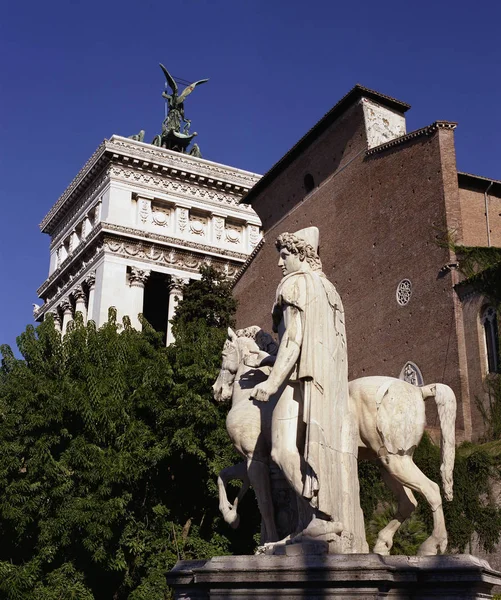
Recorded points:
136,222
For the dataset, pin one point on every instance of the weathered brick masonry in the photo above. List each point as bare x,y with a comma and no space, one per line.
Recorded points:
380,212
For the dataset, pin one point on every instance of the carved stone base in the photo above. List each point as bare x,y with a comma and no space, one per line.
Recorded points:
360,576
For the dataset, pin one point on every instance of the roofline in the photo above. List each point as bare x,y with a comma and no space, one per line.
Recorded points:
108,151
356,93
479,182
428,130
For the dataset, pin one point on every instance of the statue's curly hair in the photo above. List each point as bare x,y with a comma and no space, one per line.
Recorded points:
296,245
263,339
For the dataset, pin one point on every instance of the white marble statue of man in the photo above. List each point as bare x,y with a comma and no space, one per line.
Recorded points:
314,434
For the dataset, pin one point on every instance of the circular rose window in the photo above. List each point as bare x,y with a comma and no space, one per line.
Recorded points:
404,292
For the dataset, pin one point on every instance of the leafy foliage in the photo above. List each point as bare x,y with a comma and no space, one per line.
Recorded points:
208,301
471,511
109,448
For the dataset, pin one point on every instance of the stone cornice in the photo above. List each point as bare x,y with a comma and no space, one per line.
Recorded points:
145,157
146,252
428,130
173,242
224,174
79,206
88,169
75,278
186,190
175,258
129,234
70,260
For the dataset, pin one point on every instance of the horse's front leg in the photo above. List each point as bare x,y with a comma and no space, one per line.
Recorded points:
228,510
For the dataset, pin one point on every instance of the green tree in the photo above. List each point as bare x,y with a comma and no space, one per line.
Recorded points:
109,448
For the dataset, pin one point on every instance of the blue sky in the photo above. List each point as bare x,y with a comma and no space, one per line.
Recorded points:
74,73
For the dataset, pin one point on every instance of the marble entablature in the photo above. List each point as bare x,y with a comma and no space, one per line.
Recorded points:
137,206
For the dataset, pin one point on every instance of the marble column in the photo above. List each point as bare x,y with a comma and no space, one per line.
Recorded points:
137,281
67,314
91,285
175,295
80,302
56,318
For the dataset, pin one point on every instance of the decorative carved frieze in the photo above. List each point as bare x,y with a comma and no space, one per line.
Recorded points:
180,161
178,188
170,257
168,240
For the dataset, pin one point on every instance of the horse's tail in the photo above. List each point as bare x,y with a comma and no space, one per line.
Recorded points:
446,405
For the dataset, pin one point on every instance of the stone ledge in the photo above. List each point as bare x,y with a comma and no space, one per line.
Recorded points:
360,576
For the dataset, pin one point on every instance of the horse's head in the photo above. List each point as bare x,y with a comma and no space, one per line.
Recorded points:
237,347
223,387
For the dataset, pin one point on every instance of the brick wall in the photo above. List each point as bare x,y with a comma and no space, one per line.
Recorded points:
378,217
473,215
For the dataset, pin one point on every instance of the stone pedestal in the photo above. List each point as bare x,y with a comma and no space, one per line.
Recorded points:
336,576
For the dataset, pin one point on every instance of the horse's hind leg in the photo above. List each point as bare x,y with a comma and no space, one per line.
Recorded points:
405,471
228,510
259,476
406,505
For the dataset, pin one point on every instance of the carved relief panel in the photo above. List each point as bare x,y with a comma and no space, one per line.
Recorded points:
198,225
143,211
182,219
253,235
233,234
161,215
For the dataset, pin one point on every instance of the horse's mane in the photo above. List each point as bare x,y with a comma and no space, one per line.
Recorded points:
263,340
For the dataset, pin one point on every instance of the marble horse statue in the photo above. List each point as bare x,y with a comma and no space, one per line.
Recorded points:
390,415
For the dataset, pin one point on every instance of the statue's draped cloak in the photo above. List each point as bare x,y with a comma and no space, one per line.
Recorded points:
331,445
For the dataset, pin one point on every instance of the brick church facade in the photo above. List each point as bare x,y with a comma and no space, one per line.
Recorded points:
382,198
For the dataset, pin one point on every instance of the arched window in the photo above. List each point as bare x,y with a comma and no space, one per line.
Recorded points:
491,332
309,182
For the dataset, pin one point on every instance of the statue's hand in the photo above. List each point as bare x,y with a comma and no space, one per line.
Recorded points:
253,360
263,391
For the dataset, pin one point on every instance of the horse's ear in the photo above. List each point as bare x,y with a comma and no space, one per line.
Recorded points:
231,334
